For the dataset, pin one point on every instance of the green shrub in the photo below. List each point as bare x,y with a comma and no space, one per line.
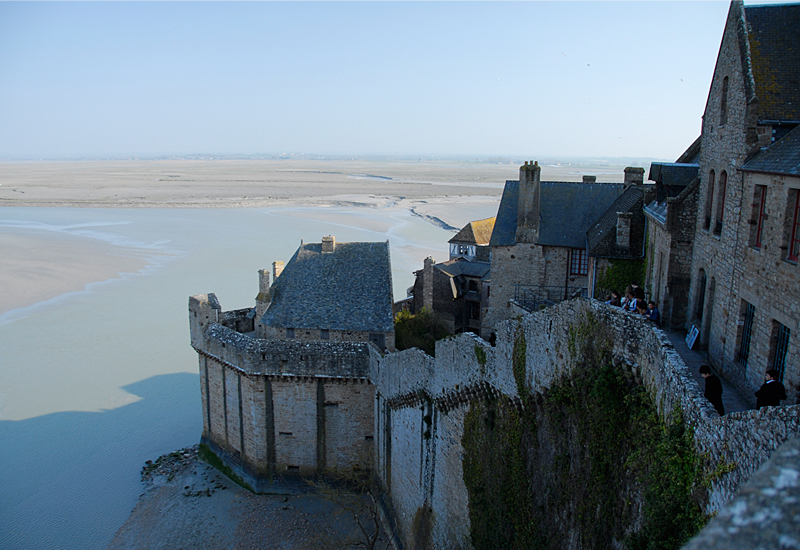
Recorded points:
420,330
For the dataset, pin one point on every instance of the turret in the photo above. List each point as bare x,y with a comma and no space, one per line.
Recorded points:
204,309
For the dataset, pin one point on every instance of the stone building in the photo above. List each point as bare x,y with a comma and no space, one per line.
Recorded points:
743,298
291,394
329,291
472,242
539,246
457,289
672,216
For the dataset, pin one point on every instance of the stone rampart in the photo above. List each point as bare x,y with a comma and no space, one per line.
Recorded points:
422,402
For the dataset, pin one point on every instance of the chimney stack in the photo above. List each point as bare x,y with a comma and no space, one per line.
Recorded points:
328,244
427,283
624,220
528,202
277,269
263,298
634,176
589,179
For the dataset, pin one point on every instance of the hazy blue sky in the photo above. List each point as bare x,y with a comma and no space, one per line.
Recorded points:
521,78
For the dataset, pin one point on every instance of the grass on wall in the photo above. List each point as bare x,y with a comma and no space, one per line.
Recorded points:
586,464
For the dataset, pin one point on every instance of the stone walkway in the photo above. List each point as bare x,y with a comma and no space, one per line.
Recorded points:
731,398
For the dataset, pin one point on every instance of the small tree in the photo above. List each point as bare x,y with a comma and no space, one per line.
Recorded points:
420,330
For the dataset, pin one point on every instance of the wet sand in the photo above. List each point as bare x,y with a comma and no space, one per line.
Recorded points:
39,266
189,505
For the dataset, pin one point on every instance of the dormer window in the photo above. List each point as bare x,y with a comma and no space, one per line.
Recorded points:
723,104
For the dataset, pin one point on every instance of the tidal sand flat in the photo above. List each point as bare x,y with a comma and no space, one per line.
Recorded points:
97,375
96,382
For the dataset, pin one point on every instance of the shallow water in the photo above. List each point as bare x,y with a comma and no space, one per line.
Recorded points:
94,383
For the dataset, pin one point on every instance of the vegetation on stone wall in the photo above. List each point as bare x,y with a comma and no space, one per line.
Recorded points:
587,464
208,456
618,275
420,330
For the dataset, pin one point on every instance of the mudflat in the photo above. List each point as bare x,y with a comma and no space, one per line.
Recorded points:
238,183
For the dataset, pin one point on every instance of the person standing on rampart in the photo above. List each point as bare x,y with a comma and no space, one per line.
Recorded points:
771,392
713,390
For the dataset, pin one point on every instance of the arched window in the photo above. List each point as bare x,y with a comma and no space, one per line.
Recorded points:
723,104
709,199
701,294
723,182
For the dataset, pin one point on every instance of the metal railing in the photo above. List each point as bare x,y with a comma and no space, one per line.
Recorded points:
535,297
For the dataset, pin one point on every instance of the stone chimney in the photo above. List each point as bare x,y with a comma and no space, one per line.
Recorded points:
328,244
277,269
263,298
589,179
427,283
634,176
624,220
528,202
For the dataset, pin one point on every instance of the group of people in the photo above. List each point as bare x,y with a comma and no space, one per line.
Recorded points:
771,393
634,301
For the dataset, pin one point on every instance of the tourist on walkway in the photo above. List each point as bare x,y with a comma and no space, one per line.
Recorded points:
713,389
652,313
771,392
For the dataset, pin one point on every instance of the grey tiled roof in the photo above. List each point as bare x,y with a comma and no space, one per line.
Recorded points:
673,173
692,154
601,237
505,226
773,34
782,157
348,289
461,266
567,211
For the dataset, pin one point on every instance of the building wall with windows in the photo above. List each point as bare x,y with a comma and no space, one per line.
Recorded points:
744,285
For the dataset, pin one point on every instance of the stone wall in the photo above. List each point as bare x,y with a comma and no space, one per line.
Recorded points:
418,394
736,272
766,280
274,409
318,335
530,265
670,257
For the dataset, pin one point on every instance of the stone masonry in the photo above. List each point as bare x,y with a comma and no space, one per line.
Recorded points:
421,403
280,408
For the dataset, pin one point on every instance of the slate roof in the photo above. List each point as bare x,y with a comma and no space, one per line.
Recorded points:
673,173
773,34
348,289
692,154
567,211
462,266
602,236
782,157
478,232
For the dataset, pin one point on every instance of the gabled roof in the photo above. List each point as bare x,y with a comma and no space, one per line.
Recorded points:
782,157
773,34
505,226
348,289
601,237
673,173
567,211
462,266
692,154
477,232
